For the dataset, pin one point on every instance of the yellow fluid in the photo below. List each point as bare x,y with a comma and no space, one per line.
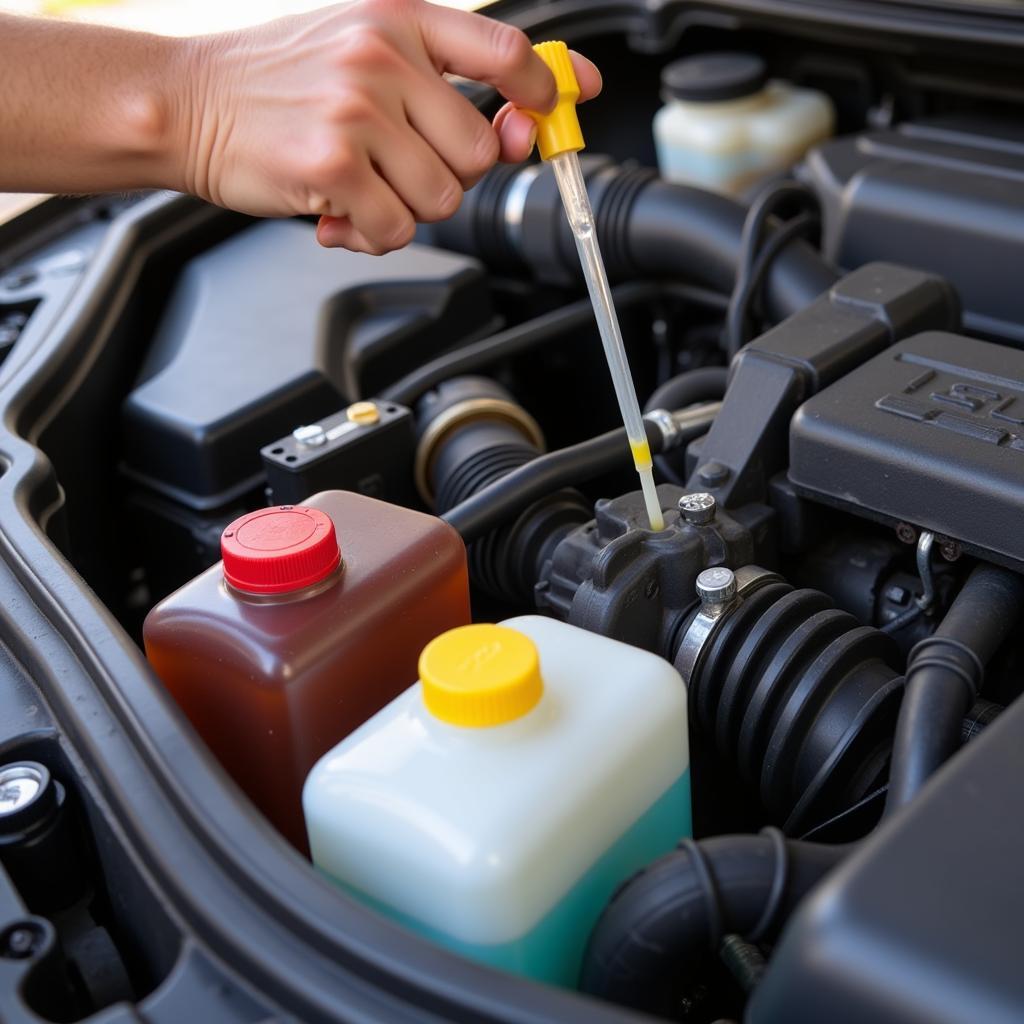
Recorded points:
641,454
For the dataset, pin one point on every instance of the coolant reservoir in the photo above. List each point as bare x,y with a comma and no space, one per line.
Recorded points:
724,126
312,623
495,806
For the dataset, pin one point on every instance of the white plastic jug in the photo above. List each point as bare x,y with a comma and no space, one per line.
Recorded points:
724,127
497,804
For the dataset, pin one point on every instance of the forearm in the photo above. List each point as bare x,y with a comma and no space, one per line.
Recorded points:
91,109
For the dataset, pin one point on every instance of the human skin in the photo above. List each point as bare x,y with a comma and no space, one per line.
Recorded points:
343,112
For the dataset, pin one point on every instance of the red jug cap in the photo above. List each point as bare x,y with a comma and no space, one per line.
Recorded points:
277,550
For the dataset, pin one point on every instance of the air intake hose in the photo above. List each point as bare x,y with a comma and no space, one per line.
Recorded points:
472,433
659,923
647,228
796,692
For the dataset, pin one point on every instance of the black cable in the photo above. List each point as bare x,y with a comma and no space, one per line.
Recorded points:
702,384
665,917
944,673
525,336
763,207
506,497
749,283
650,229
912,614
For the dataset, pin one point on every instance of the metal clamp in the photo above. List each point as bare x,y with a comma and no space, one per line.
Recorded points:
457,416
720,590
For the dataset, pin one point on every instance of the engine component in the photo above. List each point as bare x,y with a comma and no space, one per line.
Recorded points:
944,674
367,448
945,195
646,228
235,366
724,127
505,497
929,432
796,693
661,922
37,847
472,433
612,576
915,927
863,314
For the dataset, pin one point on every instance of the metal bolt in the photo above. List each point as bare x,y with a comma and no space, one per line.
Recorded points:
21,941
312,436
20,784
698,508
950,549
363,413
716,586
712,474
906,533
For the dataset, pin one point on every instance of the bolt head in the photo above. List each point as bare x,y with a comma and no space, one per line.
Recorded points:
313,436
713,473
950,550
363,413
698,508
20,784
906,533
22,940
716,585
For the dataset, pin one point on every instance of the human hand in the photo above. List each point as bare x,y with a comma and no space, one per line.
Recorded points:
344,113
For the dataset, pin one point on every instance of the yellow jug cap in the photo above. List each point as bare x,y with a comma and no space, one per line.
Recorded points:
480,675
559,131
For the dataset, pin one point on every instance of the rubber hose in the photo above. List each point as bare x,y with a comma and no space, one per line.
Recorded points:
512,341
677,231
648,229
705,384
944,673
663,919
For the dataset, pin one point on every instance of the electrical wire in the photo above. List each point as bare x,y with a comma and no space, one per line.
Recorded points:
532,333
752,245
748,284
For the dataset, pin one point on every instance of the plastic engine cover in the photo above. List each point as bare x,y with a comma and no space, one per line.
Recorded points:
945,196
267,331
920,924
930,431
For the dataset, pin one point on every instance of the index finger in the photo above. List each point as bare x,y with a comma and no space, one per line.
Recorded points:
488,51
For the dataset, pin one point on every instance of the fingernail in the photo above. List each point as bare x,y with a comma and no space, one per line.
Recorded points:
533,140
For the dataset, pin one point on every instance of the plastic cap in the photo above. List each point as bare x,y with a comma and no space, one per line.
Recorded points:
714,77
559,131
480,675
277,550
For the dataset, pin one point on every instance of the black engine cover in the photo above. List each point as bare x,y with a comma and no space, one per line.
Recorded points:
930,431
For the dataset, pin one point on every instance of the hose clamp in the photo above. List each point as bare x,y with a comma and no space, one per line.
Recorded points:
515,204
459,415
719,597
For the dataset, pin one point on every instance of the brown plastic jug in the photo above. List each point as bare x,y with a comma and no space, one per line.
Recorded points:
313,622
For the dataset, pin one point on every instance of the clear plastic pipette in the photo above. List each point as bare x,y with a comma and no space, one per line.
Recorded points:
559,139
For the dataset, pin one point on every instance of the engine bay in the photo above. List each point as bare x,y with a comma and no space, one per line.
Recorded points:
828,356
